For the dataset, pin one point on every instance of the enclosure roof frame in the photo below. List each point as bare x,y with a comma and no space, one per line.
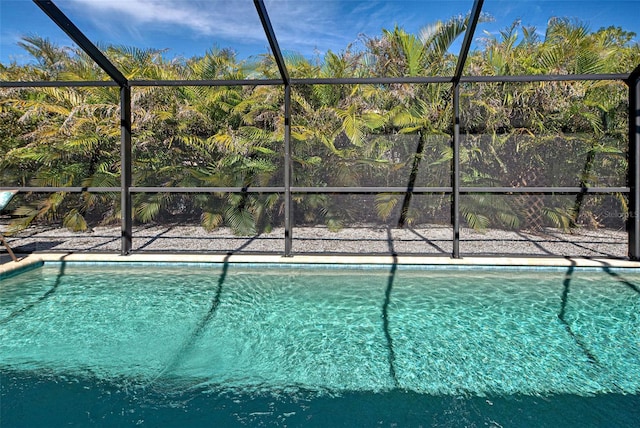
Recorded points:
273,40
472,23
118,78
66,25
633,76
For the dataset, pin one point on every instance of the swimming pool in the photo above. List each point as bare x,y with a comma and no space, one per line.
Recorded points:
235,344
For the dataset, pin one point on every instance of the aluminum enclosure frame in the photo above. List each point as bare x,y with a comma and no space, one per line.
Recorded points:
633,159
455,190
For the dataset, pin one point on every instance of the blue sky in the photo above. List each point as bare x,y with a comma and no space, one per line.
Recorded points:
310,27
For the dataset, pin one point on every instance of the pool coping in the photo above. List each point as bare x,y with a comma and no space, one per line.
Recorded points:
34,260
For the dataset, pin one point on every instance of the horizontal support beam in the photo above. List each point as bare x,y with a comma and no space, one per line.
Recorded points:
544,78
503,190
371,80
236,189
34,189
382,80
545,190
346,190
370,190
60,84
236,82
325,81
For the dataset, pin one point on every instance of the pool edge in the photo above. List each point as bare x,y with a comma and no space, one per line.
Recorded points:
335,260
23,264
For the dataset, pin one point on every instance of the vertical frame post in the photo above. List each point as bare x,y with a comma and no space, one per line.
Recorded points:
282,68
455,172
125,170
472,22
633,165
288,224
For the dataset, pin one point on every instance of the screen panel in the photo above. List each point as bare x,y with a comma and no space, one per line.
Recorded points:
62,222
220,223
536,37
333,38
208,136
368,224
571,134
371,135
176,39
543,225
60,137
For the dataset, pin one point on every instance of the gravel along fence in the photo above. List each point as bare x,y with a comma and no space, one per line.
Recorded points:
362,240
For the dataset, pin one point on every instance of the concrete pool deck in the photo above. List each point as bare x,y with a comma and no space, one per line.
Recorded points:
38,259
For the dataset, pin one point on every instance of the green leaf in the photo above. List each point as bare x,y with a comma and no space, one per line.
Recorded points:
241,221
385,203
74,221
334,225
210,221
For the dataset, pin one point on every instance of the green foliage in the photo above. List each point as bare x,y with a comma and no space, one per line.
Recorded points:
241,220
385,204
513,134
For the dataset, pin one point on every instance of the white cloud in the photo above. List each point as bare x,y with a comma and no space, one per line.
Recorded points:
302,25
235,19
305,26
330,24
299,25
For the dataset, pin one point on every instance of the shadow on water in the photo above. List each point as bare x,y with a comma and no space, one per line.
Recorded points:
204,321
34,400
607,269
42,298
566,283
385,310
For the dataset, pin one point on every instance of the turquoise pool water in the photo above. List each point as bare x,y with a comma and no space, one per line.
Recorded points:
232,344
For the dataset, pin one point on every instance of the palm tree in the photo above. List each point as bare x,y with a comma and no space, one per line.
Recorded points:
424,111
342,135
216,136
541,121
73,139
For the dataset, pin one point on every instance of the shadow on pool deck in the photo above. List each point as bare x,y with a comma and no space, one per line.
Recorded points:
425,240
22,251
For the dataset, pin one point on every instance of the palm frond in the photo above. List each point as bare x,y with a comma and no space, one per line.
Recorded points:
211,221
241,221
385,204
74,221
